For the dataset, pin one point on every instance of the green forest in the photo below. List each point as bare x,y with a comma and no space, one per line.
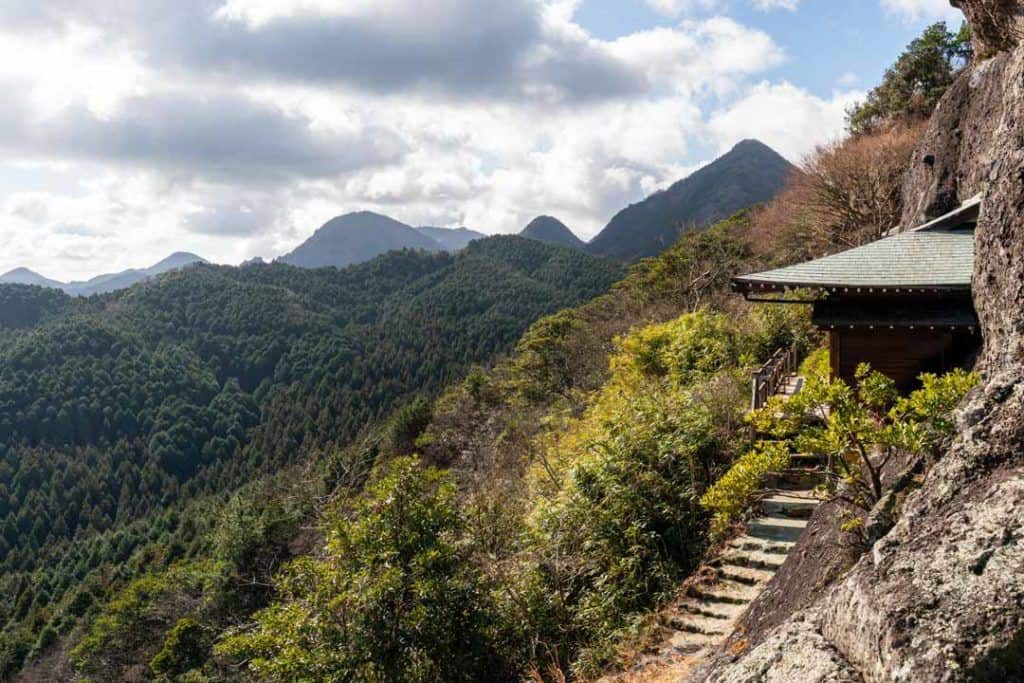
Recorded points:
126,418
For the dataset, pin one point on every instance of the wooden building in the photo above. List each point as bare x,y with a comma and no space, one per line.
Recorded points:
902,303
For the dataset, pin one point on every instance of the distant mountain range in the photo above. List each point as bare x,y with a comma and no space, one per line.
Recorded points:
750,173
101,284
451,239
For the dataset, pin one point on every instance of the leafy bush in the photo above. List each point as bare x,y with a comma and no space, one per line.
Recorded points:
614,517
861,429
771,327
691,347
142,613
731,495
184,649
394,598
624,522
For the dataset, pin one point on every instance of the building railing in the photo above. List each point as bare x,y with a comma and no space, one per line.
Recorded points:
773,374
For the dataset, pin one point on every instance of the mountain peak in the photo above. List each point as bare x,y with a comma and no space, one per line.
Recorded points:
178,259
750,173
550,229
20,272
356,237
25,276
750,144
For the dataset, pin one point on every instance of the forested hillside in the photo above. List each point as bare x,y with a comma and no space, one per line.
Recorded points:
276,473
553,503
119,412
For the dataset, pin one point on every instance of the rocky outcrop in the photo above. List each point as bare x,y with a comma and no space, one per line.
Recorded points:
941,596
996,25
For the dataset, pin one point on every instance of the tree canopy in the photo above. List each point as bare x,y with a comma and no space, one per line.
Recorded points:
913,85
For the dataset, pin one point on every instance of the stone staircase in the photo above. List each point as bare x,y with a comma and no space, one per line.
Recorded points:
708,606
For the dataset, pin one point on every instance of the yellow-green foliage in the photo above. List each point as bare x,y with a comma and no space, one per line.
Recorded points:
185,648
541,364
817,366
861,428
735,491
615,519
646,398
775,326
688,348
150,605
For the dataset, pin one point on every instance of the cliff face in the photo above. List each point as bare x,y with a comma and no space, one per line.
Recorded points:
941,596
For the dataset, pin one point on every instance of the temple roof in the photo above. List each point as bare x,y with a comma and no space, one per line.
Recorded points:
936,256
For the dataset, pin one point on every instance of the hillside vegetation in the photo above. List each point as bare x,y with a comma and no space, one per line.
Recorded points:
569,478
556,496
116,412
282,474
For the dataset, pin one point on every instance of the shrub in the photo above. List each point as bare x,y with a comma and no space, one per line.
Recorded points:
623,524
394,597
691,347
731,495
771,327
861,429
138,616
184,649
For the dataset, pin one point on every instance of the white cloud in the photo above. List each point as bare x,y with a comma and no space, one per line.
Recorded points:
678,8
783,116
681,8
712,53
147,128
931,10
766,5
848,80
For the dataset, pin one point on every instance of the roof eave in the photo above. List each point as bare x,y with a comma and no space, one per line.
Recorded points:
748,286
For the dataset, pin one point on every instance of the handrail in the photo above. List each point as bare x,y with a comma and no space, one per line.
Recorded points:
767,379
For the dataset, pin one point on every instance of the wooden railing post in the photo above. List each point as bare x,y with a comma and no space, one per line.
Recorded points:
766,380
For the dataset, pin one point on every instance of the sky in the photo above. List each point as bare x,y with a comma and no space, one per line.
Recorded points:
131,129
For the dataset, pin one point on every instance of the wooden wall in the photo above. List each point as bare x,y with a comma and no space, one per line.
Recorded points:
901,354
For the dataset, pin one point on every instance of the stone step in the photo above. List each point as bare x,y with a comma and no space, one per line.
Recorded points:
740,574
784,529
725,591
753,559
798,504
690,643
719,610
693,623
746,542
796,479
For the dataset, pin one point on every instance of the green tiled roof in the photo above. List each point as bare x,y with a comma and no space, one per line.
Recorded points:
934,258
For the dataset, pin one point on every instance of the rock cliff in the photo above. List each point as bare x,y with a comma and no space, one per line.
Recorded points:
941,596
